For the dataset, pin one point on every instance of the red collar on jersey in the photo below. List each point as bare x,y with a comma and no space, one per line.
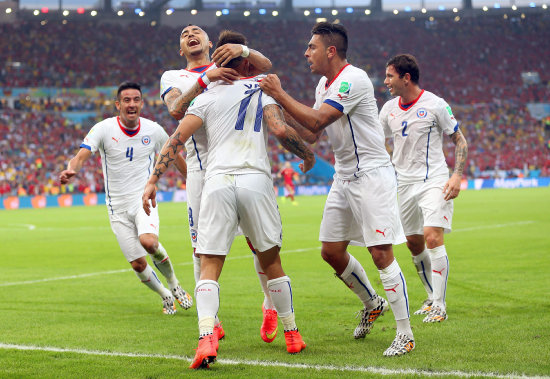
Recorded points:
327,84
129,132
200,69
409,105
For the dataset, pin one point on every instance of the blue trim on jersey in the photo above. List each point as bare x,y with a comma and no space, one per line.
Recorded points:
334,104
426,277
354,144
200,68
130,132
407,106
149,166
427,151
83,145
195,145
456,128
165,92
363,284
405,292
107,192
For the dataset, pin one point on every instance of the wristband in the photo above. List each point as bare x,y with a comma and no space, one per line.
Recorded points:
246,51
203,80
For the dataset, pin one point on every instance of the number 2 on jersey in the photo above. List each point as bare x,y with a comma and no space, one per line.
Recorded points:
239,125
130,153
404,125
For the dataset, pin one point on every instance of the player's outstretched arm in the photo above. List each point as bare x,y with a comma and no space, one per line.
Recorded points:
258,62
187,126
178,102
288,137
314,120
74,166
452,187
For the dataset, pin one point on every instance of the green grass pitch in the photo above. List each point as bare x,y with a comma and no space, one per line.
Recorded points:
70,307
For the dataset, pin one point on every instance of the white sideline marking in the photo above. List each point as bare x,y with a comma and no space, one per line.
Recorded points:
129,269
373,370
494,226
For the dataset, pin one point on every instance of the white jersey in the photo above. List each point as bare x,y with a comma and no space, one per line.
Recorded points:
183,80
232,117
417,130
357,137
127,158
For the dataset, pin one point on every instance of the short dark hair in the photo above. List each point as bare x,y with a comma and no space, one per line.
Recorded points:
405,64
333,35
229,36
127,85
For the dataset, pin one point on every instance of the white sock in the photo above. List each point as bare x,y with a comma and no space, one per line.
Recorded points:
440,274
355,277
396,290
196,267
151,280
268,304
423,265
281,295
207,298
163,264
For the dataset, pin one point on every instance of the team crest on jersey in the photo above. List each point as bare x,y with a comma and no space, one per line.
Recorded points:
146,140
421,113
194,235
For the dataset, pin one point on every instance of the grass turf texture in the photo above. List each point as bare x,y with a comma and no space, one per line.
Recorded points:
497,299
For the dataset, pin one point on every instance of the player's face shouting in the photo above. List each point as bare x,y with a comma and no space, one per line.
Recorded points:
129,106
194,41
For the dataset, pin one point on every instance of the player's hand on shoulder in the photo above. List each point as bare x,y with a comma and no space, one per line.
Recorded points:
227,75
223,54
271,84
66,175
307,164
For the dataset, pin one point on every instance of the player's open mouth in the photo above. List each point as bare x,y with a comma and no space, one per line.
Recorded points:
193,42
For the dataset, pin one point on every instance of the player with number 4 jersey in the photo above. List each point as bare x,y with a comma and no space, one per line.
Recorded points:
128,144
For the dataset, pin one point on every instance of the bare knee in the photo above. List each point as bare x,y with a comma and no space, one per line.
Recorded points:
416,244
149,242
434,237
382,255
139,264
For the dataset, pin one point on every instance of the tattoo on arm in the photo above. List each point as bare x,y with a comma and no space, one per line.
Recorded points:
178,101
174,145
461,152
287,136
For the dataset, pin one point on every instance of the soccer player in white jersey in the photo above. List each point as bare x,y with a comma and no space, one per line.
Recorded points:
416,120
178,89
238,191
127,144
361,207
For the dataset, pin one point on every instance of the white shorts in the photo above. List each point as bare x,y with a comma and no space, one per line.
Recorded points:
423,204
129,225
194,186
230,201
363,211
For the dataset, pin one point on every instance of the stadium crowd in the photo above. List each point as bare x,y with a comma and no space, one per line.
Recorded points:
478,74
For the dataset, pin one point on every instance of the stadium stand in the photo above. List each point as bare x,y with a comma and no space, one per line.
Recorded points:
478,74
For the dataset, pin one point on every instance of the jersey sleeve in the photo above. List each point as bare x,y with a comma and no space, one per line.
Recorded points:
161,139
267,100
445,118
94,139
383,117
201,104
167,82
349,90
